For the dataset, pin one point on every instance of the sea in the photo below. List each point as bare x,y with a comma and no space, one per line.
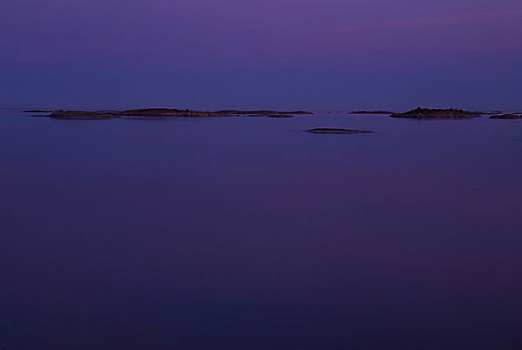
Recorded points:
248,233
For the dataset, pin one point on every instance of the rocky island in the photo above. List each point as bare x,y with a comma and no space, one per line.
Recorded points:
166,112
281,116
338,131
506,116
425,113
82,115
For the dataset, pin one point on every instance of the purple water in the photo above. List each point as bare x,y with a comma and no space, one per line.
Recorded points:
248,233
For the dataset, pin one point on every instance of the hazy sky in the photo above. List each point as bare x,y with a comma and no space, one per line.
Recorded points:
334,54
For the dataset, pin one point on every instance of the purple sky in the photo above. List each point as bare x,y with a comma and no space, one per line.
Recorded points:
325,54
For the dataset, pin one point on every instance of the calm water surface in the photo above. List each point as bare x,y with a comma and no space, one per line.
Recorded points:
248,233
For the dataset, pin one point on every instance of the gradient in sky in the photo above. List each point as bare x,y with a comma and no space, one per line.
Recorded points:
324,54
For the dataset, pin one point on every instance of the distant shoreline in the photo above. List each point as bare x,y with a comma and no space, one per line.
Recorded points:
165,112
419,113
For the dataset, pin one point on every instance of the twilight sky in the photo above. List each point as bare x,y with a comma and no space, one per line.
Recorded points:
324,54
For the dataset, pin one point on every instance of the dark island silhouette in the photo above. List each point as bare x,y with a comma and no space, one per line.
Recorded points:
426,113
168,112
506,116
419,113
281,116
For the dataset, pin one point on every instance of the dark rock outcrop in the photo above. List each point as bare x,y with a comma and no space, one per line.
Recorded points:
166,112
506,116
425,113
281,116
82,115
338,131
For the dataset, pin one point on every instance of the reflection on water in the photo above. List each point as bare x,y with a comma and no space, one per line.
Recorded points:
248,233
